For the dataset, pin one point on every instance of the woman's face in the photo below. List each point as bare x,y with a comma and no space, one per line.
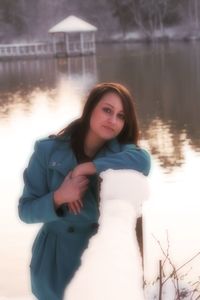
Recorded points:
107,119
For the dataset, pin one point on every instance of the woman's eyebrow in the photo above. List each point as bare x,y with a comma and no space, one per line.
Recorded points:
112,106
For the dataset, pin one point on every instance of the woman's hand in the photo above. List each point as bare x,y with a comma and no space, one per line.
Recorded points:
71,191
81,170
84,169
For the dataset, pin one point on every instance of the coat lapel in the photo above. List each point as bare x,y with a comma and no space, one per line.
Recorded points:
113,146
63,159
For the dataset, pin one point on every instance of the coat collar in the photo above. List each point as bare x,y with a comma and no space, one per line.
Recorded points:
113,146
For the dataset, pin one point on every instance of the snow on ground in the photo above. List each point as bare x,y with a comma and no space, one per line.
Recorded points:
18,298
169,33
151,293
186,291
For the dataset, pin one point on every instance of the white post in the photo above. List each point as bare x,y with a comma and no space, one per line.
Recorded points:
17,53
93,41
43,49
82,42
67,48
54,44
37,49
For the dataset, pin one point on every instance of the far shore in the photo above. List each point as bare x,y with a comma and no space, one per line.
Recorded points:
185,34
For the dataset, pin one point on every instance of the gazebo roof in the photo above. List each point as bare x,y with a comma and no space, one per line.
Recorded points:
72,24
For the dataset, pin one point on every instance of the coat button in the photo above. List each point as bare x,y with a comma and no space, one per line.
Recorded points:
71,229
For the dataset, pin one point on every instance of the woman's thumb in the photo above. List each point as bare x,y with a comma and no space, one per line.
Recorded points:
69,175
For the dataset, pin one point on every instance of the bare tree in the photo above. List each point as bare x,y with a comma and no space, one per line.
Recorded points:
175,276
147,15
194,12
150,15
121,10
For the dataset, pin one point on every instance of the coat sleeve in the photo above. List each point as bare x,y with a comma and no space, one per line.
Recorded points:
36,203
130,157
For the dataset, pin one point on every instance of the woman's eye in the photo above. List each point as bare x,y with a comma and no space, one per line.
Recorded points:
107,110
122,117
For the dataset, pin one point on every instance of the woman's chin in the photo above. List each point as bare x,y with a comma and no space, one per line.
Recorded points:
108,137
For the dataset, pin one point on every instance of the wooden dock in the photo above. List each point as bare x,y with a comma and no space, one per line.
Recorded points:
45,50
26,50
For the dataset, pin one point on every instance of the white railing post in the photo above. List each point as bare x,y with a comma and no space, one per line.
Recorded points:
67,46
82,42
79,46
93,41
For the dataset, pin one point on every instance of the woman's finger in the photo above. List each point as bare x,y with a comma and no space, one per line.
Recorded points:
80,179
71,208
84,183
75,206
80,202
68,175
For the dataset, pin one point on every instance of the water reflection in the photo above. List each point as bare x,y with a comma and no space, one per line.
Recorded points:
22,82
25,75
165,81
39,97
163,77
166,144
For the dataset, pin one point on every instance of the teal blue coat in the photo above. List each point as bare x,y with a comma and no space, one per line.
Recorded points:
63,237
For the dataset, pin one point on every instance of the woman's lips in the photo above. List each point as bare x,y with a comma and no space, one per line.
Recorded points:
109,128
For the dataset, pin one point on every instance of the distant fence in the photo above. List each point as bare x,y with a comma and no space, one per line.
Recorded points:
45,49
36,49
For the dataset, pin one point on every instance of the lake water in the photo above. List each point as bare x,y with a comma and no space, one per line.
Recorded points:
39,97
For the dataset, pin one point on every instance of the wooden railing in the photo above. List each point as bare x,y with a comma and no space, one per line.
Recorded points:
44,49
36,49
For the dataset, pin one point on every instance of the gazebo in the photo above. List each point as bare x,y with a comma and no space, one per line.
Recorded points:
73,36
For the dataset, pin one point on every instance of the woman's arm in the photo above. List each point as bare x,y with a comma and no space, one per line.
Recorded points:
37,204
131,157
86,169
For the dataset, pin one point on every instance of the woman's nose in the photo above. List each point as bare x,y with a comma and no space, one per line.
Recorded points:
113,119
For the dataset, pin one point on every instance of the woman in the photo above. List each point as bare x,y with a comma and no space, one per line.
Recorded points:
61,183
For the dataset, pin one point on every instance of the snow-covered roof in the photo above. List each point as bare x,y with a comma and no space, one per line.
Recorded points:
72,24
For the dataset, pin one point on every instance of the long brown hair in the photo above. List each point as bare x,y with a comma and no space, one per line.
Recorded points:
78,129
